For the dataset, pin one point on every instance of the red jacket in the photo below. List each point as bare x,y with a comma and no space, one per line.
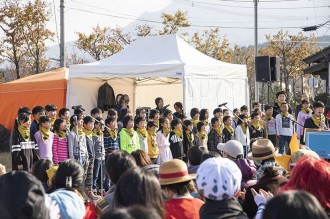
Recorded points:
185,208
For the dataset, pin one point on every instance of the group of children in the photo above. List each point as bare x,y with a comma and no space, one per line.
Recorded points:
163,135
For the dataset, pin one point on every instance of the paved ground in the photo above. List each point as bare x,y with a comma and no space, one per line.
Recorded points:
5,159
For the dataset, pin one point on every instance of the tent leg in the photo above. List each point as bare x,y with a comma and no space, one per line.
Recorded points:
184,95
68,88
134,96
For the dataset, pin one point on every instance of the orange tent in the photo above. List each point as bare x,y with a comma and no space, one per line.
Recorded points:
31,91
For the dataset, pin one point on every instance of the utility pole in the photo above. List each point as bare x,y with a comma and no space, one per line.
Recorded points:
62,44
256,85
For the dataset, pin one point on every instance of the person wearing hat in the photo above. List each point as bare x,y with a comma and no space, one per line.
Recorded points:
269,179
176,186
233,150
218,181
270,122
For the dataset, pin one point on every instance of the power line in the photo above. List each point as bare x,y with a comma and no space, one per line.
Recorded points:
267,8
58,38
160,22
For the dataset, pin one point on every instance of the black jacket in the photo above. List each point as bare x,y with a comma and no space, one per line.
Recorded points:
106,97
226,135
222,210
277,109
176,146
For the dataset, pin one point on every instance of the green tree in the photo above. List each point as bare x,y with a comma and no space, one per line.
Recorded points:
103,42
12,43
173,22
291,49
35,33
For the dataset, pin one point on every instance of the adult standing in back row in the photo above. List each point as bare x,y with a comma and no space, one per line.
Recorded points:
280,98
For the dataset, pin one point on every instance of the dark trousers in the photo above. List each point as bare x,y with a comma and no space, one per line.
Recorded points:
153,160
273,139
284,141
97,172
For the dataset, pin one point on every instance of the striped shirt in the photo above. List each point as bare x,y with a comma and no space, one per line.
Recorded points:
110,145
60,149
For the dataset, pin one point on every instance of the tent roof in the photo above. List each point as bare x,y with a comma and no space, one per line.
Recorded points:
56,74
158,56
54,79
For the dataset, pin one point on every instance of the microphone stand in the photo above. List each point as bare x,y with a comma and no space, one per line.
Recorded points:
225,105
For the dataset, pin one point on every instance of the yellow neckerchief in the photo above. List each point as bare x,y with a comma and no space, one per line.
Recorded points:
218,130
113,133
61,134
25,132
143,132
156,121
166,131
230,129
256,126
68,124
269,118
153,138
178,133
316,120
306,111
206,122
279,103
88,133
195,122
202,135
45,133
244,128
130,132
189,135
97,133
80,130
52,121
285,114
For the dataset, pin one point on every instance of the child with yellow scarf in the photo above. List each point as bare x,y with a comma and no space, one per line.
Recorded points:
270,122
215,135
302,116
201,137
280,98
44,138
228,131
140,128
36,112
194,114
24,151
256,128
153,150
176,139
318,120
51,113
284,127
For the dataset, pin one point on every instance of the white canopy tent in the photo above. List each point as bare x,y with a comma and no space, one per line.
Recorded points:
161,66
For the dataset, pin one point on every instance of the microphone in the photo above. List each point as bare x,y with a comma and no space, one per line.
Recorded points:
223,104
164,107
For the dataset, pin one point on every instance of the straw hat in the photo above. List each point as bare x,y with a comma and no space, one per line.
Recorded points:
262,149
174,171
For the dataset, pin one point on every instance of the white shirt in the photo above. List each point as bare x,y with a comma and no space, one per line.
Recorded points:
284,126
244,139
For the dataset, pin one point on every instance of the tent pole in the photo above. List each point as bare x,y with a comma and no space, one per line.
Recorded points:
68,93
184,95
134,95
